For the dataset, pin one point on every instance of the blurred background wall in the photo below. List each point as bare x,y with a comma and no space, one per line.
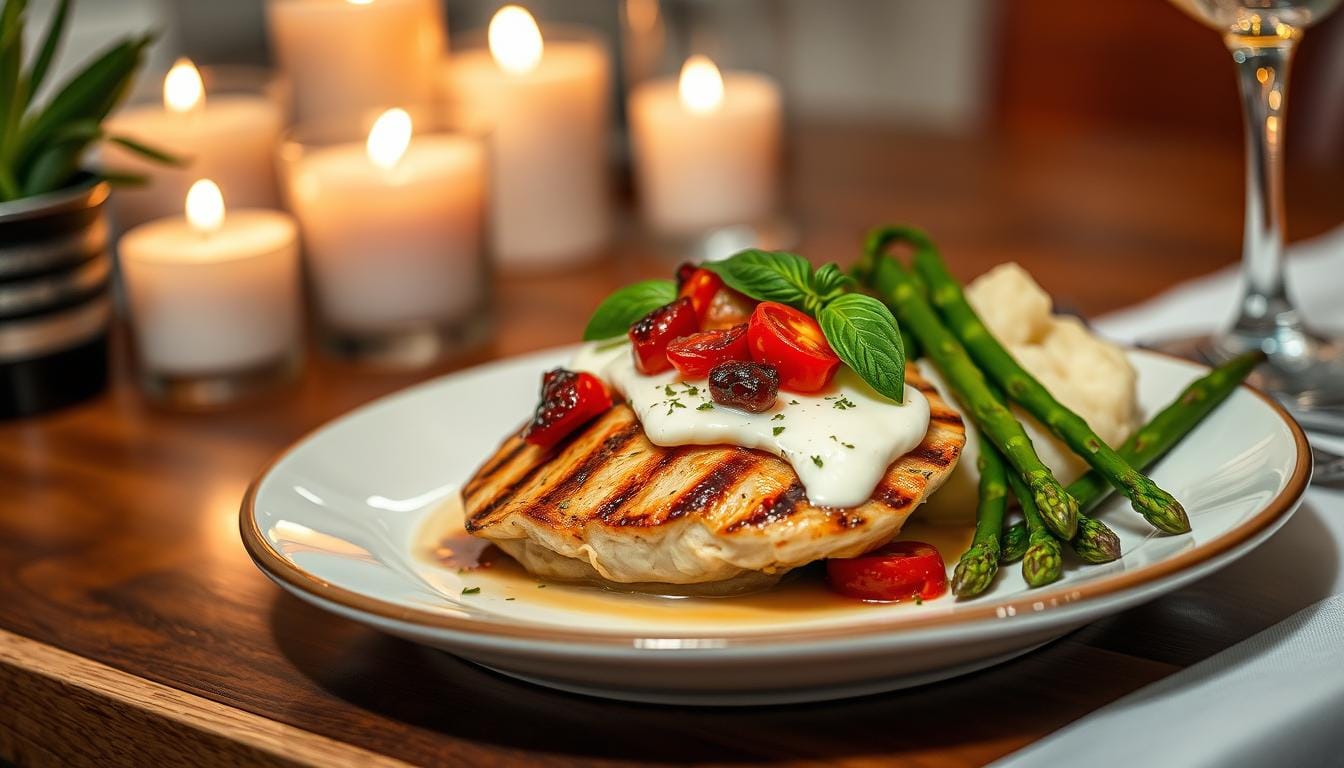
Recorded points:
1001,67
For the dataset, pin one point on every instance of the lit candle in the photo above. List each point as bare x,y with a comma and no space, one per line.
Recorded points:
545,105
212,293
350,58
230,138
706,148
393,227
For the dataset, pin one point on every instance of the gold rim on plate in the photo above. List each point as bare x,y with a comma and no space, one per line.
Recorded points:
1031,603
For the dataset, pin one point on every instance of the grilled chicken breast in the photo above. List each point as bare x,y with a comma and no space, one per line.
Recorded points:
608,504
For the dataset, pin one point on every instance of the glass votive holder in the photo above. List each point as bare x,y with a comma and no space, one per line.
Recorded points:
222,122
706,123
543,93
214,301
394,223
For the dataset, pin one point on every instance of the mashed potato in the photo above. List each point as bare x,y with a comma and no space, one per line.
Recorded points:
1087,374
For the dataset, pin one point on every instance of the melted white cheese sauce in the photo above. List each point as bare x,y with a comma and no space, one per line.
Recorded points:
840,441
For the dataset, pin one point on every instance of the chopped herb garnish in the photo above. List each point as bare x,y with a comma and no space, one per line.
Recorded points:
563,505
541,586
919,600
777,431
668,390
692,390
838,440
471,591
793,402
777,417
510,598
817,460
844,403
705,406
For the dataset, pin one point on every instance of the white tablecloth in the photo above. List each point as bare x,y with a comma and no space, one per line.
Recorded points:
1276,698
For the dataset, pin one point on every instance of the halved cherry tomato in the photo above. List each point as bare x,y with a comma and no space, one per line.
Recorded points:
726,309
700,287
651,334
569,400
792,342
694,355
902,570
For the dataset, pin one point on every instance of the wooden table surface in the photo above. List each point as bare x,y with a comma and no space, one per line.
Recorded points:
134,629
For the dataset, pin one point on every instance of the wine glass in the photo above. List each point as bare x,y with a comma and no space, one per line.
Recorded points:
1304,369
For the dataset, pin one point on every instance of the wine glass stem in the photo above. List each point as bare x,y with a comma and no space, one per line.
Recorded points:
1266,317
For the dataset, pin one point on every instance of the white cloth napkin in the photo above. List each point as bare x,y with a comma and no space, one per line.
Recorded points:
1276,698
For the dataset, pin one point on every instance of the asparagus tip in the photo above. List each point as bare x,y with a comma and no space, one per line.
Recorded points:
1096,542
975,571
1057,507
1159,507
1043,562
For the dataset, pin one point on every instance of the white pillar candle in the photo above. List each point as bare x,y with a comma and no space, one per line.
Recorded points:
349,58
229,138
545,105
211,293
706,148
393,228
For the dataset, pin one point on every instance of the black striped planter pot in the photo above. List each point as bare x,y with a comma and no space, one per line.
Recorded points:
55,299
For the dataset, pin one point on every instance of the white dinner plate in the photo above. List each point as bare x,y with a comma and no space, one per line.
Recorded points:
360,518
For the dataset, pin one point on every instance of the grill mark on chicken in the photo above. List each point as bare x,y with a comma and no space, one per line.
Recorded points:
894,496
933,454
508,492
639,478
500,460
581,470
772,510
712,485
949,417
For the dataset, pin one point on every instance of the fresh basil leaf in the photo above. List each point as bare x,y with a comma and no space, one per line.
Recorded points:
618,311
767,275
864,334
829,282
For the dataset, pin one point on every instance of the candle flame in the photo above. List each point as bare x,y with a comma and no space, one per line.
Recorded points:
515,40
389,138
701,85
183,90
205,207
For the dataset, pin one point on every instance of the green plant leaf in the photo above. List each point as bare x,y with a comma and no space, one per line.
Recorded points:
147,151
119,179
90,95
13,97
52,169
768,276
829,281
864,334
618,311
52,41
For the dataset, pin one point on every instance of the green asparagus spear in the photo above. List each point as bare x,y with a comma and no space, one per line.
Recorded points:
1153,440
1155,504
1043,562
1095,542
980,563
1013,544
900,290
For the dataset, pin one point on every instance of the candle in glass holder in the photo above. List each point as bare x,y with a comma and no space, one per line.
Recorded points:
211,294
393,227
544,103
706,148
347,58
229,138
